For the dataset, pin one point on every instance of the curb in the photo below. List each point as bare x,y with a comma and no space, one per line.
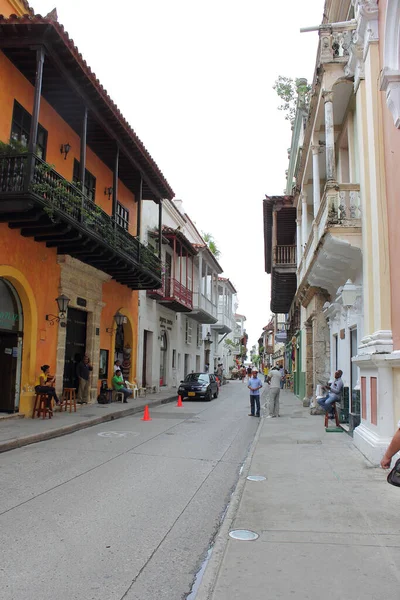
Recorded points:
67,429
209,579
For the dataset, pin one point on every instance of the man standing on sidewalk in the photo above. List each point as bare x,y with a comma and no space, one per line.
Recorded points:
274,379
254,386
83,372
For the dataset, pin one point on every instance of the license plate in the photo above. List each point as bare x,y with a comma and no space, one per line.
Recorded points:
191,393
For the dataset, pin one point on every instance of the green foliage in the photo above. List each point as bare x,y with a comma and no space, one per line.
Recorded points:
209,240
291,91
12,147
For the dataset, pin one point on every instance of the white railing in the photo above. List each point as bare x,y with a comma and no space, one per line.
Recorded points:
201,302
340,208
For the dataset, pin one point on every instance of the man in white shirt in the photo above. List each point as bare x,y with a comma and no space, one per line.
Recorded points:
274,379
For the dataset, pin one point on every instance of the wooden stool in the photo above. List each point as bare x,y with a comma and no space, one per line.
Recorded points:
69,399
334,408
41,408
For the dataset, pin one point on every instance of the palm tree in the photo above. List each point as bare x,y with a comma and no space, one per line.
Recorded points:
209,240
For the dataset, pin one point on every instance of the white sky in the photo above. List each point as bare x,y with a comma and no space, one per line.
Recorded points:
194,79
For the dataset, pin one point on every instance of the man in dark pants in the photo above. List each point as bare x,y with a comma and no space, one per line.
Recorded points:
254,386
83,372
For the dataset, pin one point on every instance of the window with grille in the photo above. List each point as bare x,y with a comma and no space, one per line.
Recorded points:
21,127
198,336
90,181
122,216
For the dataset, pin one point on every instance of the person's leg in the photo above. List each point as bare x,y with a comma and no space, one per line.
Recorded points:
52,394
126,393
272,393
251,405
322,401
276,404
45,389
257,401
86,391
81,390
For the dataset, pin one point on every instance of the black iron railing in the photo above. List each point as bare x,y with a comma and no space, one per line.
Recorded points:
60,197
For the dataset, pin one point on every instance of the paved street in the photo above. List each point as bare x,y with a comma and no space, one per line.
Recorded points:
126,509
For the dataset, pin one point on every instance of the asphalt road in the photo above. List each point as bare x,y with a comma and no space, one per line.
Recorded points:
124,510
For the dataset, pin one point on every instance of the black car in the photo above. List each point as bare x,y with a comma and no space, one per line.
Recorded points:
199,385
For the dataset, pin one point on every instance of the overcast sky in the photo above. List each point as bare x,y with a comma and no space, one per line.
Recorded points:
194,79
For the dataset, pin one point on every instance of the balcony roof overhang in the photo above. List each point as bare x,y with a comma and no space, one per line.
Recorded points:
181,241
268,205
68,86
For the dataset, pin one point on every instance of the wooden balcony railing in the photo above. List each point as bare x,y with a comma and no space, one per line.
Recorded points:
284,255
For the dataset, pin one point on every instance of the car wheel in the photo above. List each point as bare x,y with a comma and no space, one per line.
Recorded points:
209,396
216,393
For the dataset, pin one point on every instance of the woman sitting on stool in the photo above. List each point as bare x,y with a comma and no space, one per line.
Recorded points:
45,385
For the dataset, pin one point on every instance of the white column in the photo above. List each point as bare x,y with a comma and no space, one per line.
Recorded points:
304,219
200,286
316,183
298,241
329,136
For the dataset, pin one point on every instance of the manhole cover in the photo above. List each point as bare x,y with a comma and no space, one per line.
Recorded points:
169,433
244,535
256,478
118,434
309,442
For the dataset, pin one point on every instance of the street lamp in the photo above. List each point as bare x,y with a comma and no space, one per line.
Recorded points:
349,293
119,319
62,303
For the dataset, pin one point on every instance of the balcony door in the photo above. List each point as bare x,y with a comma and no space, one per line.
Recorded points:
163,359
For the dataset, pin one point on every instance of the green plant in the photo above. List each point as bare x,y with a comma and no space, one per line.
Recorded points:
12,147
291,92
209,240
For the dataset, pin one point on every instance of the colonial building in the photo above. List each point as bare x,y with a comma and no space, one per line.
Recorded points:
73,177
183,323
343,178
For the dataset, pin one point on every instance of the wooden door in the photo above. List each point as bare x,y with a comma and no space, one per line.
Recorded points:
75,345
8,370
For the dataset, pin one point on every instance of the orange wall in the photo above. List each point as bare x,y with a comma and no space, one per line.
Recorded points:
118,297
59,132
7,9
40,268
392,172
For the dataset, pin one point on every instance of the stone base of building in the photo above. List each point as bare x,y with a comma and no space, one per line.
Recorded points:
372,446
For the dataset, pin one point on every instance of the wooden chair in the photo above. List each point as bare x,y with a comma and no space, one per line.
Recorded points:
41,408
69,399
335,411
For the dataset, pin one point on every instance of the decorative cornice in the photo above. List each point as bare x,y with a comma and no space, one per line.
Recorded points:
366,12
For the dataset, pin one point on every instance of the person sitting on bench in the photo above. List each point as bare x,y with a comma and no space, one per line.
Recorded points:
118,384
334,394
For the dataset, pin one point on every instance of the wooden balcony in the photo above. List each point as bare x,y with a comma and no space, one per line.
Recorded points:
173,295
42,204
284,257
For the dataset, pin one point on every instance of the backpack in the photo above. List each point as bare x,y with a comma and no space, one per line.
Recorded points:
102,398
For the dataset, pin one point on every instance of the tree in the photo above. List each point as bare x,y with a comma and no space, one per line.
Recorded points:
209,240
290,91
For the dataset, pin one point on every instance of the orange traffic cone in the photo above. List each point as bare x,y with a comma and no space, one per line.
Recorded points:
179,403
146,415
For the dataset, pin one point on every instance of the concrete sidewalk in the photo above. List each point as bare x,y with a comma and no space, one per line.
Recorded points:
327,520
21,431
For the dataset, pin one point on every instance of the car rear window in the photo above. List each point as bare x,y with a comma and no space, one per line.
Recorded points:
197,377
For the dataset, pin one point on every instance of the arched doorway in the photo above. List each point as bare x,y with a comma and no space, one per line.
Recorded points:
163,359
123,347
11,330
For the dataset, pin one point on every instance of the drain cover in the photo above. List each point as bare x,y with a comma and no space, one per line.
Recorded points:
243,534
256,478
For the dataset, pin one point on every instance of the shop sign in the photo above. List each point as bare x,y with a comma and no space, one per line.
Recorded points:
8,319
166,323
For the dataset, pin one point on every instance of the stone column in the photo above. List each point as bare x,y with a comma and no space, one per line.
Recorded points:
304,219
298,241
316,183
200,286
329,136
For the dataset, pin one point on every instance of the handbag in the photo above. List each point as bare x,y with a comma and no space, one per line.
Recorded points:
394,476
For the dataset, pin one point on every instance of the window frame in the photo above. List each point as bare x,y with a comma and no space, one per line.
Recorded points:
26,130
89,190
122,221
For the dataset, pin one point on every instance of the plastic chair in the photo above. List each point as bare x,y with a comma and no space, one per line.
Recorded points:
132,386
